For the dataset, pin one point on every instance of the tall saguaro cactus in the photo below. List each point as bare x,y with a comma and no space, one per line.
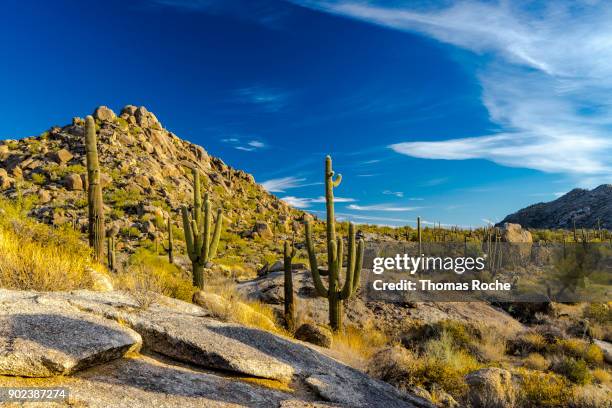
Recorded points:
201,246
336,293
288,254
94,191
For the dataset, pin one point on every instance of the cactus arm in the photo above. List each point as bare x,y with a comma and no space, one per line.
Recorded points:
206,230
188,232
350,261
197,240
337,181
216,235
312,258
332,249
339,255
358,265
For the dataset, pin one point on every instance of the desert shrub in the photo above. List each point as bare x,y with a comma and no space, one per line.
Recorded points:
591,396
440,364
526,343
148,273
35,256
39,178
540,390
462,335
575,370
580,349
598,312
536,361
601,376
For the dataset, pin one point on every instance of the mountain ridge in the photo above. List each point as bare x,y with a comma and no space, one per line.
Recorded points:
585,208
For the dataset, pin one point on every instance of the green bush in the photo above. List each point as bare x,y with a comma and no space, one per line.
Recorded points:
577,371
540,390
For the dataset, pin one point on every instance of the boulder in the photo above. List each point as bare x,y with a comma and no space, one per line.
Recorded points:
44,340
73,182
606,347
514,233
518,243
314,334
145,119
61,156
277,267
43,196
104,114
128,110
263,229
490,388
6,182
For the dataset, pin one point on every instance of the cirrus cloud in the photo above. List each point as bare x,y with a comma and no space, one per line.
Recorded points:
546,79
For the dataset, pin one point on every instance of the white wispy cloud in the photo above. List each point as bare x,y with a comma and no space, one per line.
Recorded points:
268,99
279,185
301,202
546,82
395,193
297,202
381,207
256,144
249,146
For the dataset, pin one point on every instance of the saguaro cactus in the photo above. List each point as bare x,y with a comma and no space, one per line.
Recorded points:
419,237
289,253
111,235
335,294
170,242
201,246
94,191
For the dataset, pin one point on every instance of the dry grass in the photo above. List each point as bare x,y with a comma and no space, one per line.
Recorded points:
601,376
536,361
440,365
149,275
356,345
591,396
224,302
35,256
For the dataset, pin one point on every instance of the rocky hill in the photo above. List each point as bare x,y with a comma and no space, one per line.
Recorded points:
585,207
146,178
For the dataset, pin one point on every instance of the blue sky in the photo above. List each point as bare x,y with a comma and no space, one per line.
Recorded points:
458,112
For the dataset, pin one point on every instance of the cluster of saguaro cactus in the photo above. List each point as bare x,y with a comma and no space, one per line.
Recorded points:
288,254
201,246
335,293
94,191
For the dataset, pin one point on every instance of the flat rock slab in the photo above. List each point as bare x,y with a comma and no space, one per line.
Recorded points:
184,333
146,382
41,341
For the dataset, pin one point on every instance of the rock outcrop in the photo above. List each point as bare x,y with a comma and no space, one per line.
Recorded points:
143,166
586,208
189,360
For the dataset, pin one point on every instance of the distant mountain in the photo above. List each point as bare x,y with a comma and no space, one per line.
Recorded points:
586,207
